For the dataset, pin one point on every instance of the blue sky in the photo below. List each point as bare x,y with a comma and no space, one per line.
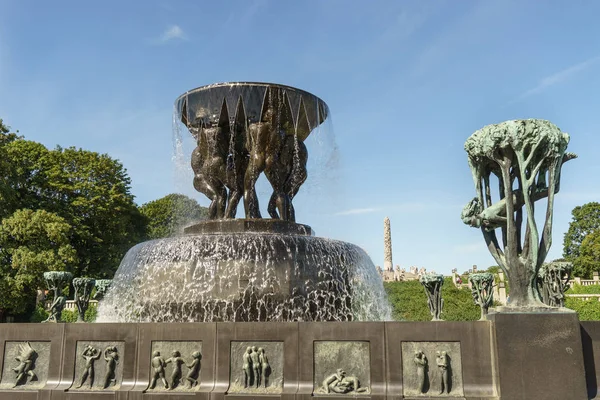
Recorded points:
406,82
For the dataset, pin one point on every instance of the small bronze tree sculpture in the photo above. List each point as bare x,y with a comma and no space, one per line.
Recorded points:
56,281
83,291
433,289
482,289
102,286
553,282
526,156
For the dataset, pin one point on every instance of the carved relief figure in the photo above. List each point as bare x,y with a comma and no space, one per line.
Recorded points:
90,354
255,366
194,369
158,368
265,367
177,362
443,366
246,366
341,384
421,363
111,357
26,358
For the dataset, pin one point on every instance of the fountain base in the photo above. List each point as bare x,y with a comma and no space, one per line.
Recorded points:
245,276
249,226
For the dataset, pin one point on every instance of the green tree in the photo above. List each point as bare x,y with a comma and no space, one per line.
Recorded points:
586,219
90,191
31,243
168,215
7,194
589,252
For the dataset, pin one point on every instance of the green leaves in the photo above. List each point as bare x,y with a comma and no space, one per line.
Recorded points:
168,215
31,243
586,222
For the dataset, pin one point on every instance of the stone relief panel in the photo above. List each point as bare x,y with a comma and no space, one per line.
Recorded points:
175,366
342,368
98,365
432,369
256,367
25,365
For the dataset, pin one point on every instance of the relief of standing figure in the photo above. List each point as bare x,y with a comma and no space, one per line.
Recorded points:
158,366
421,362
442,363
90,354
246,366
265,366
176,374
255,366
112,359
194,369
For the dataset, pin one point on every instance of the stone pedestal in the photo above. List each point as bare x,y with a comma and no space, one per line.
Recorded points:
538,356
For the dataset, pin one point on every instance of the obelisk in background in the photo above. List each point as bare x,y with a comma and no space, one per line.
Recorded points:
387,246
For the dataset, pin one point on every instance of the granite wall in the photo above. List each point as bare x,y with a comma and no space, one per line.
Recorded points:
512,356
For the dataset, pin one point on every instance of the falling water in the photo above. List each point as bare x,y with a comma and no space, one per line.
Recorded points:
245,277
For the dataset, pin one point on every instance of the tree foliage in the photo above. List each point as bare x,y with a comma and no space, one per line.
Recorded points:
587,310
168,215
586,220
589,256
90,191
31,243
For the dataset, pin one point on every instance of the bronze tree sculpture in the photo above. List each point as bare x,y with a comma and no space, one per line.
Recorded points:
526,157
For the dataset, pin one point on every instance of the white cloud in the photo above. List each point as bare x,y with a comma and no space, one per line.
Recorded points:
173,32
559,77
355,211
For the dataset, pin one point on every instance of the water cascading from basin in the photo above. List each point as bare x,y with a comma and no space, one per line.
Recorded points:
252,269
